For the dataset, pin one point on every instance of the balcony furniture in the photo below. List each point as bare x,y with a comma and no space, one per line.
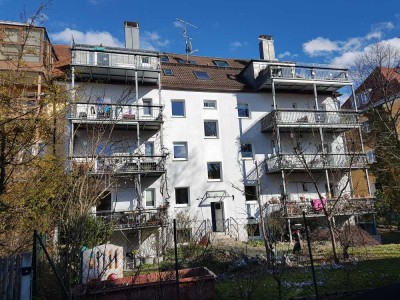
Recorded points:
318,205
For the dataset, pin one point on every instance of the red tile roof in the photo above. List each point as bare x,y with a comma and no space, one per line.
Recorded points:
63,53
221,78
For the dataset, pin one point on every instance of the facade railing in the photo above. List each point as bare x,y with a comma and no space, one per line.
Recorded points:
115,112
315,161
120,163
138,218
115,60
339,206
304,73
309,118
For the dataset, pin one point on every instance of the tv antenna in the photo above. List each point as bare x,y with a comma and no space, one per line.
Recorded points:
188,43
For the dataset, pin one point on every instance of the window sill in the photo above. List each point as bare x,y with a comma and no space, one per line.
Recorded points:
179,159
178,116
181,205
211,137
247,158
214,180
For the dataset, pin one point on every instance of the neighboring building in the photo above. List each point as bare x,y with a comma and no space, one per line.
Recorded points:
381,89
181,134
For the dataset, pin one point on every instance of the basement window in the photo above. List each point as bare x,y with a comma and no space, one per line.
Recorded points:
201,75
221,63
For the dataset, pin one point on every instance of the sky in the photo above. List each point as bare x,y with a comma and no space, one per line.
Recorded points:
313,31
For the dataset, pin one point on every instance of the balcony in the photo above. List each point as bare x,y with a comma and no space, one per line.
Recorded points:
342,206
287,119
116,114
135,219
302,77
315,162
115,64
121,164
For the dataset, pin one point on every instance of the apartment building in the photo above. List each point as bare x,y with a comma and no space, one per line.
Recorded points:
206,137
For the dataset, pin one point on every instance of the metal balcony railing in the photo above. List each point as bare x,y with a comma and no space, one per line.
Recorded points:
120,163
310,118
315,161
304,73
104,58
115,112
132,219
339,206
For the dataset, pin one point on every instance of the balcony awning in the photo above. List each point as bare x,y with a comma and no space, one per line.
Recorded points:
214,196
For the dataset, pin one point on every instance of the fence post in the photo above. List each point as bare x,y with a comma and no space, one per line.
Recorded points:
176,262
34,264
311,258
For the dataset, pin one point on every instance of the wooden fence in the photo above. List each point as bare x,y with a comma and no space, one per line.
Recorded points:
15,277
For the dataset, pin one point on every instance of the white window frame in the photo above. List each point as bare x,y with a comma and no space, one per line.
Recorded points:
147,107
184,108
252,151
248,109
188,196
184,144
152,147
153,193
216,136
209,101
220,171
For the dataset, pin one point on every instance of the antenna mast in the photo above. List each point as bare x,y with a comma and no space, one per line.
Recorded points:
188,42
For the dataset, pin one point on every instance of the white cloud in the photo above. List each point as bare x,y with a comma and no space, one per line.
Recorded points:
152,41
344,52
286,54
178,24
236,45
319,46
90,37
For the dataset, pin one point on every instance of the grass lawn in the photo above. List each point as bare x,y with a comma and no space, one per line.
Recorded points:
373,266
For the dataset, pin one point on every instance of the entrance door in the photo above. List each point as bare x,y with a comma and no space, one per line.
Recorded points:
217,216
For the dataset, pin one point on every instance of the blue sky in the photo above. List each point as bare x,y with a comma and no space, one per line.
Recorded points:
321,31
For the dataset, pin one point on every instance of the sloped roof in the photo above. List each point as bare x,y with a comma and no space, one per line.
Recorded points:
63,53
221,78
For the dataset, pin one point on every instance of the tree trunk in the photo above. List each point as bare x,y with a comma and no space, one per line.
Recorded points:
333,239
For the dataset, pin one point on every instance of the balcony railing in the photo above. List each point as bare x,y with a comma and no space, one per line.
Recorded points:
310,119
120,164
339,206
315,161
115,112
135,219
104,58
305,73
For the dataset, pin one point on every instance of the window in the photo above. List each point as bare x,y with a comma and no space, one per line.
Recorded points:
149,148
168,72
212,104
147,109
182,195
214,171
11,35
180,151
253,230
221,63
371,156
178,108
164,59
243,110
246,150
211,129
149,197
304,187
366,127
184,61
105,202
250,192
201,75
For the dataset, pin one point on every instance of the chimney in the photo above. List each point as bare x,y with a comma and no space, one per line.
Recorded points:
267,49
131,35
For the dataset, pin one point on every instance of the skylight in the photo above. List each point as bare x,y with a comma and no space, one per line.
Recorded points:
201,75
184,61
221,63
168,72
164,59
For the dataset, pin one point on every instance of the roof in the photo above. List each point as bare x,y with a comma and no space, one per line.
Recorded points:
63,53
221,78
